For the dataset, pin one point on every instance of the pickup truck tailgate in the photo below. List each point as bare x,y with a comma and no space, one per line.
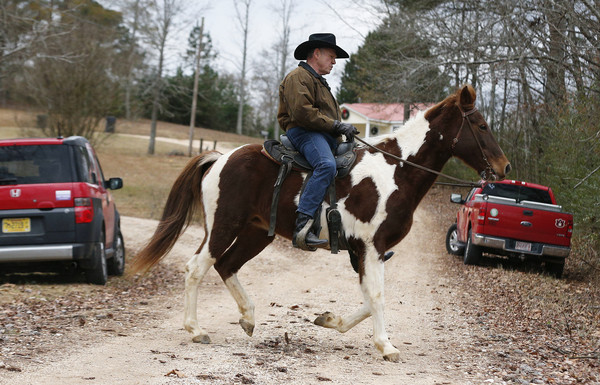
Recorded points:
527,221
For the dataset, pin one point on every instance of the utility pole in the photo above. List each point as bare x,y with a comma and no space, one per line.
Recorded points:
243,20
195,93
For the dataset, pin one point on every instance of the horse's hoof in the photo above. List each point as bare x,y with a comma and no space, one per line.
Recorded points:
325,319
201,339
392,357
247,326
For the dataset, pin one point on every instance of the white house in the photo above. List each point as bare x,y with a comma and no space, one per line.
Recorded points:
373,119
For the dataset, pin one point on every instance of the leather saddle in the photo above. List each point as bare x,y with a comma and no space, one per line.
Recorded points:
283,151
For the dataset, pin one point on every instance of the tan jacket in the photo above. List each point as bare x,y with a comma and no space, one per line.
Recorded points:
304,101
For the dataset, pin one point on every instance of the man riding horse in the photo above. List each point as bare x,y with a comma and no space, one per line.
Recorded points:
310,116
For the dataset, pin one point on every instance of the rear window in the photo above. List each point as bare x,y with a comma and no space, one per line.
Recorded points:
517,192
35,164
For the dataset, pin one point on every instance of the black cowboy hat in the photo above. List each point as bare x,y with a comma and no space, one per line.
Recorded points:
319,40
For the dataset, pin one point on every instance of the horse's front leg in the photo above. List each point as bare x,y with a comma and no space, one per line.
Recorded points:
372,285
343,324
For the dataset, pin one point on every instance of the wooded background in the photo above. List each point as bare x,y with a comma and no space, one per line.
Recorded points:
535,65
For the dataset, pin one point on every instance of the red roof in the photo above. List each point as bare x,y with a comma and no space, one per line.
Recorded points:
392,112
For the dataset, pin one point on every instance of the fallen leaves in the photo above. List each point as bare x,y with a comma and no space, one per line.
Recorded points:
175,373
519,315
40,314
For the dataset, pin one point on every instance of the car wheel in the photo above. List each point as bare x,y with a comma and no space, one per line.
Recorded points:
472,252
116,265
98,275
453,246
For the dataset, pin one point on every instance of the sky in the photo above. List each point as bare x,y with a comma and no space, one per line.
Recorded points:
349,21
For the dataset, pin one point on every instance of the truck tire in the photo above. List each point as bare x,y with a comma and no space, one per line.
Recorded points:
452,245
472,252
555,268
98,275
116,264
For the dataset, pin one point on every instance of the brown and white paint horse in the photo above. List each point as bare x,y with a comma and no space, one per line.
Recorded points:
377,201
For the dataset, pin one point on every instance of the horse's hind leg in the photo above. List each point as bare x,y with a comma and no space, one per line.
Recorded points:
245,304
250,241
195,270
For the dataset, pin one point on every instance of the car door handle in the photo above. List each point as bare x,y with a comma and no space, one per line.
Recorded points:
526,224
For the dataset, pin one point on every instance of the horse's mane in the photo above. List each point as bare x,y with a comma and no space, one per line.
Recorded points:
450,101
430,114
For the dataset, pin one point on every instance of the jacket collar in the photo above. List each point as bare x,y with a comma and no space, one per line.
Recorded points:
307,67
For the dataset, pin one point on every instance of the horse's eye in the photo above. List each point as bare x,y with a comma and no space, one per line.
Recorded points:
483,127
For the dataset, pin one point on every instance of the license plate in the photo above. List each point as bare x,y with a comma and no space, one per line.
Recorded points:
523,246
16,225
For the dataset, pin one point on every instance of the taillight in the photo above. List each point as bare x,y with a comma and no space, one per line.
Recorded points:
569,229
481,215
84,211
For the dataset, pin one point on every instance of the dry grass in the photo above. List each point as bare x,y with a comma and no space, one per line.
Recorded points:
21,123
147,179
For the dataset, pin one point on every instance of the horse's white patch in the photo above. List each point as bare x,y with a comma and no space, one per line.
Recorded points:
374,167
210,187
411,136
297,196
410,139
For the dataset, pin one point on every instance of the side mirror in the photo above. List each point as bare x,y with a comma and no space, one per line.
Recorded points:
456,198
114,183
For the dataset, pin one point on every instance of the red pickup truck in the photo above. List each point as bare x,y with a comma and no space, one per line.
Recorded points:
514,219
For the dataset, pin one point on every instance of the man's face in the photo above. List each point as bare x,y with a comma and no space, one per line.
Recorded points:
325,59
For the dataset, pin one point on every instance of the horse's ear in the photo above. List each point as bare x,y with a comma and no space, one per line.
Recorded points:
467,97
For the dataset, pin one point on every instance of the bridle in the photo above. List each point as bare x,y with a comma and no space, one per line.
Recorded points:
465,118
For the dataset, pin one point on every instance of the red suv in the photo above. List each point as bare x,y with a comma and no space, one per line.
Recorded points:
55,206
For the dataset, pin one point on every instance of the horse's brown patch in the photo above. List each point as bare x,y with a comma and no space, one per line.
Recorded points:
392,147
398,222
362,209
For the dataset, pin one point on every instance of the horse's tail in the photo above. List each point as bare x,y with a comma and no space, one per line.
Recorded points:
182,203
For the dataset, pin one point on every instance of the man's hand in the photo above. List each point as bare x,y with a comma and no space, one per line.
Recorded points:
345,129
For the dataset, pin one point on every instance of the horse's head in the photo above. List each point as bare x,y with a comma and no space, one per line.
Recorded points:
473,141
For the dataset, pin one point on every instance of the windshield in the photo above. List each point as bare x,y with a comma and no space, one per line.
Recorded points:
517,192
35,164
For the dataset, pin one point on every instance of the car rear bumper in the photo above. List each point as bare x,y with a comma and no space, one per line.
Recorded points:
505,244
46,253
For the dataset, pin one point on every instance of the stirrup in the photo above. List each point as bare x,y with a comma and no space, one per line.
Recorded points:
301,243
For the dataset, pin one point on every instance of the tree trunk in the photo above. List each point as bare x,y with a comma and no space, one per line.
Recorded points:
195,92
554,92
156,100
130,57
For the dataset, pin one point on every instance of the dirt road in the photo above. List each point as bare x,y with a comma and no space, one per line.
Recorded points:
289,288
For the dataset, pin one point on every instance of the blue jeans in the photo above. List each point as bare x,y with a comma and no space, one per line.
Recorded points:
317,148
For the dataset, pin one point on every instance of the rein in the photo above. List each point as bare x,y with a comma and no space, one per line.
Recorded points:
465,116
